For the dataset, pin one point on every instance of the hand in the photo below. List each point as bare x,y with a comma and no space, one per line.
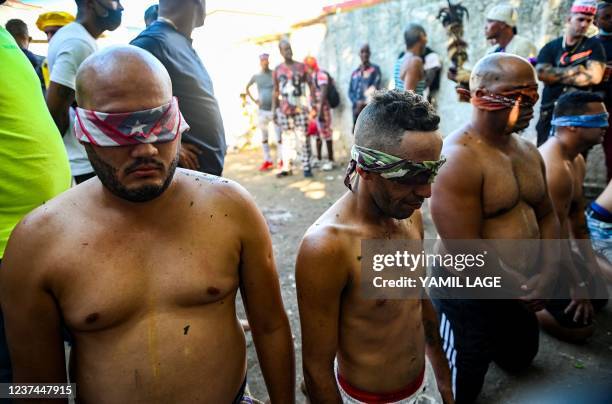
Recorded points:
581,305
534,288
188,156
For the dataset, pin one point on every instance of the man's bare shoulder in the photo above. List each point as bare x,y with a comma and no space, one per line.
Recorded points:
213,188
462,150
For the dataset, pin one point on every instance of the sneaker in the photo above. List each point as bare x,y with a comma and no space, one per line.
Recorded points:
315,163
308,173
327,166
283,173
266,166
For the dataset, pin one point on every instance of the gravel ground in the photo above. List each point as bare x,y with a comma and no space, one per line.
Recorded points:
292,204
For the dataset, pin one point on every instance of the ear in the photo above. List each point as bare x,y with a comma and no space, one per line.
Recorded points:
364,174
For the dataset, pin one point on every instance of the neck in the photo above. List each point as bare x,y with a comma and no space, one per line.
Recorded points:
505,38
490,126
572,39
265,70
416,50
289,61
569,150
366,63
89,23
146,209
182,21
365,208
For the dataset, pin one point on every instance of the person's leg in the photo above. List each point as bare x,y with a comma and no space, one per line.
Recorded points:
543,127
319,148
465,340
285,127
330,149
279,144
300,121
516,334
263,123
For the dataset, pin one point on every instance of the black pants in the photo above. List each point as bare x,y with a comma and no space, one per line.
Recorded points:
478,332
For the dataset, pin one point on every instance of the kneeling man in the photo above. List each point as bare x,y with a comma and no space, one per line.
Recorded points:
357,350
141,264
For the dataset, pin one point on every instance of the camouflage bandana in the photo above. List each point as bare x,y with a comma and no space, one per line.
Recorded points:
388,166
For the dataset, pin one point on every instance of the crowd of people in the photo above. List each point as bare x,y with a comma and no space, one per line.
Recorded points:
126,241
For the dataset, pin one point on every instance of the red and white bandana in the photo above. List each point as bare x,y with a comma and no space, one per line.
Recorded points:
157,125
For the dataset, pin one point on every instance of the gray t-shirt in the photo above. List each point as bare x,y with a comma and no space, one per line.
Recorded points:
265,87
68,48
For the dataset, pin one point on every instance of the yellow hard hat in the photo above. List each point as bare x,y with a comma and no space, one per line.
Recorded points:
54,19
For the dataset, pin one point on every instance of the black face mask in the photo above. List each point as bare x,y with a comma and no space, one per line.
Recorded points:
112,19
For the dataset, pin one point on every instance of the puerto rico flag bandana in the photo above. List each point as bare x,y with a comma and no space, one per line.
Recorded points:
157,125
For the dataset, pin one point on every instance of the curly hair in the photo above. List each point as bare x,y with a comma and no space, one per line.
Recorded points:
384,122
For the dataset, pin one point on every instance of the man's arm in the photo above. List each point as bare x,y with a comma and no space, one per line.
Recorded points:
263,304
433,350
32,317
248,90
321,277
59,101
412,73
578,76
275,95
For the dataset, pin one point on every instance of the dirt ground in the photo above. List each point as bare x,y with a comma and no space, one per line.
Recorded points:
292,204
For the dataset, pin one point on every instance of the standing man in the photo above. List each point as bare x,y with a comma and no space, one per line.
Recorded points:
70,46
19,30
290,104
169,40
365,80
603,20
571,62
265,89
580,121
357,350
494,187
33,163
501,32
409,72
142,264
321,111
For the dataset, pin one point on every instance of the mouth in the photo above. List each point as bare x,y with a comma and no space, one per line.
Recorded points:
145,171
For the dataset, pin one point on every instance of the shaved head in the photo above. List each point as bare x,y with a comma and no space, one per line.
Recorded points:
122,79
501,70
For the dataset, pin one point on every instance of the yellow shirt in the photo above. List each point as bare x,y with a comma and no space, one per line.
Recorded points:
33,162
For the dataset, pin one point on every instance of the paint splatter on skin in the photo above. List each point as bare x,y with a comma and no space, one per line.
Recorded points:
186,330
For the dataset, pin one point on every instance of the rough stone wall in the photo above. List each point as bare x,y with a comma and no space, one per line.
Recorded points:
382,27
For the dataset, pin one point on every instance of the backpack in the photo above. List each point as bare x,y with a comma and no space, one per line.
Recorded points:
333,97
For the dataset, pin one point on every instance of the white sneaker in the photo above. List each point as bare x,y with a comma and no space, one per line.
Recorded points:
327,166
315,163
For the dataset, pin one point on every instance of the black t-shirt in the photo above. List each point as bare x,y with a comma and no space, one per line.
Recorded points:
192,86
605,88
555,54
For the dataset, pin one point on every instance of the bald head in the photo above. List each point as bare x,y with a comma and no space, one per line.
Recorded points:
500,71
122,79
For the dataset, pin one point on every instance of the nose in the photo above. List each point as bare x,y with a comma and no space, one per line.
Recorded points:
144,150
423,191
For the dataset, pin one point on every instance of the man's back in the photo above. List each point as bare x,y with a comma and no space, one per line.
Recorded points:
193,87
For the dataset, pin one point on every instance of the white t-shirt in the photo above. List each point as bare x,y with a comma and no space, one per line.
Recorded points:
68,48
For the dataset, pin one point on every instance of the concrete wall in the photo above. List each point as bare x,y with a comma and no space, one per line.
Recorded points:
382,26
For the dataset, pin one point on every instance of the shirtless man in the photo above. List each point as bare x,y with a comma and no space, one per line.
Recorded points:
141,264
493,187
409,68
379,346
580,121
